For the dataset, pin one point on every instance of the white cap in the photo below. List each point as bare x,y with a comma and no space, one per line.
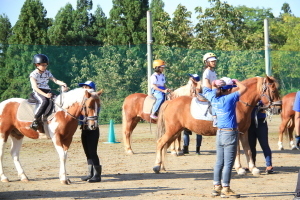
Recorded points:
211,59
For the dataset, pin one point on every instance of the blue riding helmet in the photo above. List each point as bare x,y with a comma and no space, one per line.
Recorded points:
88,83
195,77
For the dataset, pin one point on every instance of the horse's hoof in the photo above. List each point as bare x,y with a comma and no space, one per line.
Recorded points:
255,172
5,180
280,148
129,152
25,180
156,169
180,153
173,153
64,182
294,148
241,172
69,181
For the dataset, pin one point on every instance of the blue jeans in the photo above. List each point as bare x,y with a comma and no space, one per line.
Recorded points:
160,98
186,138
226,145
261,134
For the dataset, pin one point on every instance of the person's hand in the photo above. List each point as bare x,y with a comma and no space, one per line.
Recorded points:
64,88
48,95
167,90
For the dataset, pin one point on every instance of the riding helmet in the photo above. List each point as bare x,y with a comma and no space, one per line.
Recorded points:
40,58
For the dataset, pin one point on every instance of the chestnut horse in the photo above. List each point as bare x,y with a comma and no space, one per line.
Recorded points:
175,115
60,127
287,120
132,112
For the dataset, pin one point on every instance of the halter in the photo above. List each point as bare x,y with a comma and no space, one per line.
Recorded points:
83,108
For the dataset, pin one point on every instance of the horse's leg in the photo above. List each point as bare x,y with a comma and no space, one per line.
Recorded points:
62,161
16,145
161,149
282,128
248,154
175,147
237,162
2,176
291,138
129,123
179,150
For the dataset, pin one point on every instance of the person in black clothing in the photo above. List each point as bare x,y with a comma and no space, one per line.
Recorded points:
89,139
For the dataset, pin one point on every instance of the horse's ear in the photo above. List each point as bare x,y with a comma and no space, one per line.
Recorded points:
100,92
87,94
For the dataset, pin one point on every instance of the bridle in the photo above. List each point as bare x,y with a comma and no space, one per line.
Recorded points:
265,91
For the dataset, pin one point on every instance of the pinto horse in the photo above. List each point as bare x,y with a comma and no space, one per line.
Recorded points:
132,112
287,120
175,115
60,127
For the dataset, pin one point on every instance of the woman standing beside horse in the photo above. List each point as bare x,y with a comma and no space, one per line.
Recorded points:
224,104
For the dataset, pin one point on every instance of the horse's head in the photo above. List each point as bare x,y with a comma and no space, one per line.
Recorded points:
90,108
270,95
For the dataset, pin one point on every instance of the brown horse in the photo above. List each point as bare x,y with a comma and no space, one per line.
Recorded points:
175,115
132,111
287,120
60,127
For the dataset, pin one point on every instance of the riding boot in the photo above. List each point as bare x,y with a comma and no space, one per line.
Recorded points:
97,174
90,173
198,150
35,124
185,149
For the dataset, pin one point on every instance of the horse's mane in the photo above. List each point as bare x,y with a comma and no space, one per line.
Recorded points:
71,97
184,90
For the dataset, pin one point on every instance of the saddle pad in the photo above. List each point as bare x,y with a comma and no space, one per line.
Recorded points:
199,110
148,104
25,111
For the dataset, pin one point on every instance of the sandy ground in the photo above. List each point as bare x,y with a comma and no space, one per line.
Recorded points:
131,176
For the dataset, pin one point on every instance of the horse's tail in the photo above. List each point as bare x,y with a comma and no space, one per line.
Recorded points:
161,128
123,120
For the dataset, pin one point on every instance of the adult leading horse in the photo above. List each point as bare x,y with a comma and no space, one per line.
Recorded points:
132,111
175,115
287,120
60,128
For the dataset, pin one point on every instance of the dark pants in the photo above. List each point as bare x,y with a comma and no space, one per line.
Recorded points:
186,138
89,139
43,103
261,134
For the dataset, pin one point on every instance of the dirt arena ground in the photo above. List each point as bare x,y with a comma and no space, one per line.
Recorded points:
131,176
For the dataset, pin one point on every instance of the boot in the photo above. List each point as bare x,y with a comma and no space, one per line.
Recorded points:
198,150
97,174
185,149
90,173
34,125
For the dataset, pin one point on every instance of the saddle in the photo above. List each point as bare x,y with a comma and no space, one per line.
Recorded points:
201,109
148,104
27,108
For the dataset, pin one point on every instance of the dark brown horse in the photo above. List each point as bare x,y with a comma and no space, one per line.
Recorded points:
60,127
287,120
132,111
175,115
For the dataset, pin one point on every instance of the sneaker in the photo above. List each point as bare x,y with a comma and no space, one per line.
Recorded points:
152,116
269,170
297,196
34,125
217,190
226,192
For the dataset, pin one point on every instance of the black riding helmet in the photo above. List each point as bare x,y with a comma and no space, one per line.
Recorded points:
40,58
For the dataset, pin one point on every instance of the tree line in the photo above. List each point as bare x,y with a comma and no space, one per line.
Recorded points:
111,50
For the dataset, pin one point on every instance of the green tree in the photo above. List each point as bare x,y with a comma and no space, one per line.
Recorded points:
5,33
97,31
127,22
181,27
219,27
286,8
161,23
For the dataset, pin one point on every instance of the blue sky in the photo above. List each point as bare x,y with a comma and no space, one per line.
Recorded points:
12,8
